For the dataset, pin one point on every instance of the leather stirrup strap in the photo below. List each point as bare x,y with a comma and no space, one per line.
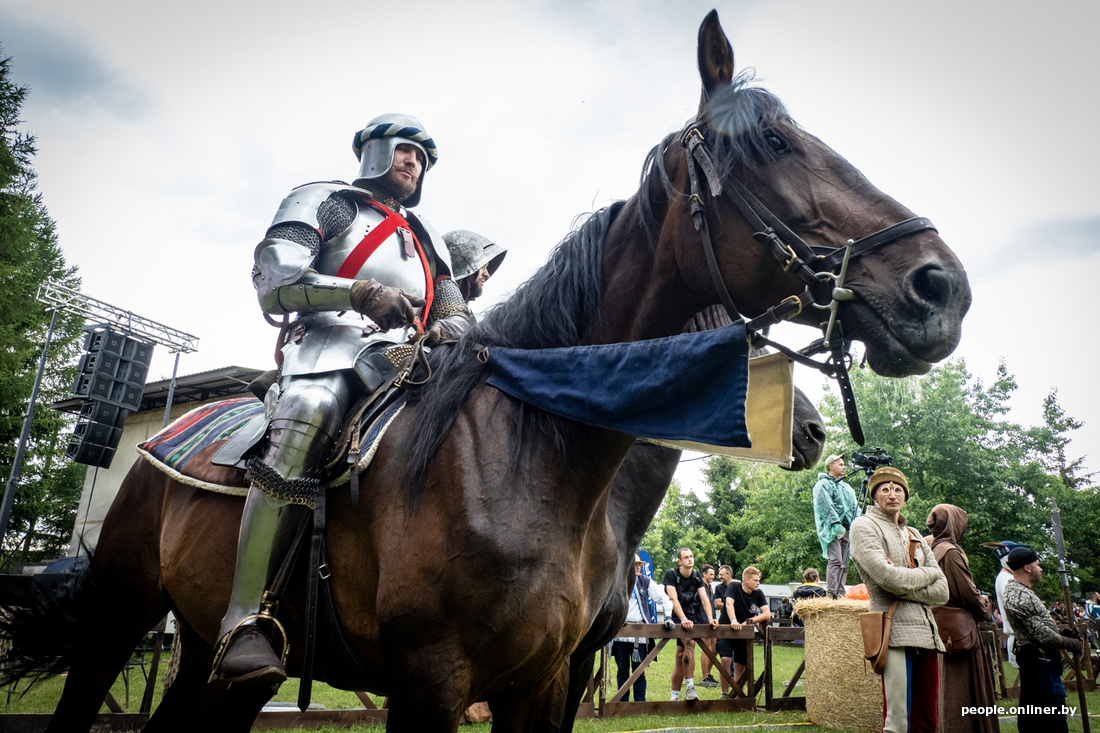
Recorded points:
313,578
278,584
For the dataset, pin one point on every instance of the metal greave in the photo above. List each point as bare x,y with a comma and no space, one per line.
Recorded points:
306,419
267,530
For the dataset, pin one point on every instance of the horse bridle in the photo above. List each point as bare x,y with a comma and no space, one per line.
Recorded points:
813,265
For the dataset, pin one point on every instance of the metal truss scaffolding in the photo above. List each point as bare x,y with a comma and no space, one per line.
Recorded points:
60,297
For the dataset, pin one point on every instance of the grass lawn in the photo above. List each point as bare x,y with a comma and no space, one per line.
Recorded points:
42,698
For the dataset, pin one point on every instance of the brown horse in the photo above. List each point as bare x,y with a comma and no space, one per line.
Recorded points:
477,561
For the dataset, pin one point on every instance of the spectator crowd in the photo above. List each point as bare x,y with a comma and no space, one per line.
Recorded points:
936,666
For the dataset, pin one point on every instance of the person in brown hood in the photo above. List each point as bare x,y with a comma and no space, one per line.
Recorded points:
965,678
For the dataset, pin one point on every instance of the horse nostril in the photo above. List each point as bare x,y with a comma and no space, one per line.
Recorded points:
816,431
932,285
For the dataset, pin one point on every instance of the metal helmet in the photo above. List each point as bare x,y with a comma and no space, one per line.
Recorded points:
375,143
470,252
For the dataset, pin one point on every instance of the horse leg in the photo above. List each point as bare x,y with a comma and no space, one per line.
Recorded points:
580,671
533,712
189,702
238,708
103,645
414,710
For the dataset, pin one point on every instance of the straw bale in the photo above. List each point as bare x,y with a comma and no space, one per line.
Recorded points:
841,691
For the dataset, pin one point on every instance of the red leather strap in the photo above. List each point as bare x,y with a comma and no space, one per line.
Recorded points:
371,242
374,238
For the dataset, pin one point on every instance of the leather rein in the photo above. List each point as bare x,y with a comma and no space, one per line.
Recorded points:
815,266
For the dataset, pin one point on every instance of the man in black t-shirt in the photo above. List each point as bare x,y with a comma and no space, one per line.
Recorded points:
810,588
743,604
690,605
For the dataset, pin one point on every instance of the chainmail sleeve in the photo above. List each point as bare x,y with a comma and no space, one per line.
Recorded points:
335,214
447,301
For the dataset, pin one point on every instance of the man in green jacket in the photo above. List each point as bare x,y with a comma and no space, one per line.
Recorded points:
834,510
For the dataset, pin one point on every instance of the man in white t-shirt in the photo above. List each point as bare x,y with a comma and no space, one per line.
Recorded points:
1001,550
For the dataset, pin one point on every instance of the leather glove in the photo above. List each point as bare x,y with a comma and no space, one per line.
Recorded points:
669,624
1069,631
388,307
1071,645
446,330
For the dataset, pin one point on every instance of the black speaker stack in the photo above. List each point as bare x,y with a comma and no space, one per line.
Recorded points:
111,381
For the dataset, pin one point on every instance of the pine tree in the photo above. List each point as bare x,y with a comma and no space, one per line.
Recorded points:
49,487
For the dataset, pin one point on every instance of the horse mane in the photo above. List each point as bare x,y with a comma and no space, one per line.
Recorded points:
735,120
554,308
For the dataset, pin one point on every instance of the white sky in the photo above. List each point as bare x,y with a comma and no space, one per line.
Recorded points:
169,133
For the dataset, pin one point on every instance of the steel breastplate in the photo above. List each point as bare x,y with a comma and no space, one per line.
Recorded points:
328,341
389,264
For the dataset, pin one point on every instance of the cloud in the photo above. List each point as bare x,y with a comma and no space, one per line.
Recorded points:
1047,241
64,71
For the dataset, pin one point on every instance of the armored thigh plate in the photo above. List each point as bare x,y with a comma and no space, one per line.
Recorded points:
251,433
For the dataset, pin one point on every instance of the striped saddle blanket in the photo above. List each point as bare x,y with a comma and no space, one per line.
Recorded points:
183,449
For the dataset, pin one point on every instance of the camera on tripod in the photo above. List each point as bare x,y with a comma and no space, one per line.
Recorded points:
868,461
871,460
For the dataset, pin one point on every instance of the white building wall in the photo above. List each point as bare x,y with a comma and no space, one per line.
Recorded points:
101,485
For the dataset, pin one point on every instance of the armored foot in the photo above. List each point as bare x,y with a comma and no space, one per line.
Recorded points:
250,659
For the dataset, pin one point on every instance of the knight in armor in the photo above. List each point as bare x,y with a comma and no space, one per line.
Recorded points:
474,259
353,273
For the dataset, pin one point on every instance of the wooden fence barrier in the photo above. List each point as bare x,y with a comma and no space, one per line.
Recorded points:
738,701
993,636
783,636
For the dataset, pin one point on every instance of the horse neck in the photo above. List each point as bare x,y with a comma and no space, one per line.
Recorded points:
644,293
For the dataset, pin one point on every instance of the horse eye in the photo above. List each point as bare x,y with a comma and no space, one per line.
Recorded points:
778,144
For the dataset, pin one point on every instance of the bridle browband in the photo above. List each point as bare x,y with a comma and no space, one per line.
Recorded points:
813,265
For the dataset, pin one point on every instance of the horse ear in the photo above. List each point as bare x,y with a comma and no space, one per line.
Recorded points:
715,56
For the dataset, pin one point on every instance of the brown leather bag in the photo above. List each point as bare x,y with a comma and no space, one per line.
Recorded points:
875,628
958,629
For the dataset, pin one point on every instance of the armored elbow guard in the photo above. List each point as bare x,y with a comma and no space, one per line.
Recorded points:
278,262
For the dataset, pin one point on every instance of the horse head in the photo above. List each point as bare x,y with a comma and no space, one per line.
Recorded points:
768,192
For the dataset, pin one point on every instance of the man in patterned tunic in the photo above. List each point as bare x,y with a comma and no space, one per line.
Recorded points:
1038,645
362,275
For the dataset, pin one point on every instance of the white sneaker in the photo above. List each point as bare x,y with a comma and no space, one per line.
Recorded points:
691,694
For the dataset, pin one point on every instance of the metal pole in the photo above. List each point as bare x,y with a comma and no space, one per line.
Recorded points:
171,393
13,479
1059,543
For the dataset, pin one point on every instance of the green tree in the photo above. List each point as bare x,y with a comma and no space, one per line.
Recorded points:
678,523
44,508
1078,498
778,521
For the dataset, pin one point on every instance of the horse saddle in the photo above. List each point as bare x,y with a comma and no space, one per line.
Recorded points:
186,449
